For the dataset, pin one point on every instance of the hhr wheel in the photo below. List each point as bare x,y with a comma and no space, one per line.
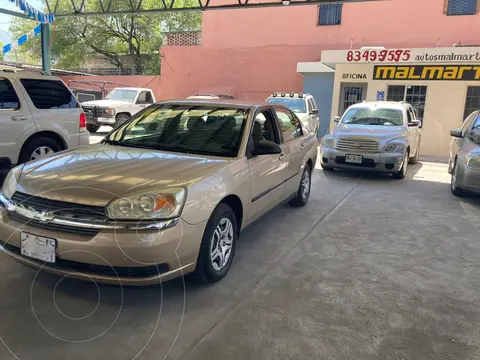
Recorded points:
38,148
218,245
456,190
303,192
400,174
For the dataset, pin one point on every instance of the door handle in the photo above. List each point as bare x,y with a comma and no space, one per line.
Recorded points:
19,118
281,157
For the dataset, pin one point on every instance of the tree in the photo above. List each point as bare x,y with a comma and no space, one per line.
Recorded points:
76,39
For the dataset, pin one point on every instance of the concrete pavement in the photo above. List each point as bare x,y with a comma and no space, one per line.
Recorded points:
371,268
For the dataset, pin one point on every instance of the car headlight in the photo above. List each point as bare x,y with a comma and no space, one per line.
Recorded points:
10,183
110,111
328,142
394,147
163,204
472,160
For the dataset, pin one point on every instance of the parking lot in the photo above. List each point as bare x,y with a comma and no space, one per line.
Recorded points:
371,268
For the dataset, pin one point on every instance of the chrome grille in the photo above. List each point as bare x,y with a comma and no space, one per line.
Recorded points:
359,145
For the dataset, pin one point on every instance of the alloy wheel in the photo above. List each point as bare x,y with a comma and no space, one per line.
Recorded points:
41,152
305,185
221,244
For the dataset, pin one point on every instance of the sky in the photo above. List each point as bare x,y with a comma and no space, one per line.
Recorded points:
5,35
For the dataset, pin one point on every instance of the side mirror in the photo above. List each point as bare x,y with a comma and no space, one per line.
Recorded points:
456,133
314,112
336,119
415,123
265,147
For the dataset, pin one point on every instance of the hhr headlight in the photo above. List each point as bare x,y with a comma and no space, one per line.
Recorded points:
394,146
328,142
162,204
11,181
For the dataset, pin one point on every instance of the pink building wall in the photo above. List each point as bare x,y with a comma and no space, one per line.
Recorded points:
250,53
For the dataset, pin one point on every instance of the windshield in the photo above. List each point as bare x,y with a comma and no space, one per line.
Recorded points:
121,95
373,116
294,104
207,130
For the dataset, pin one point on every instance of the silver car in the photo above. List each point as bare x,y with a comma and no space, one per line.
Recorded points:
378,136
464,164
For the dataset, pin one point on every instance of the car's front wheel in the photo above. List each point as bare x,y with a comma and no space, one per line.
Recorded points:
218,245
303,192
93,128
400,174
120,119
456,190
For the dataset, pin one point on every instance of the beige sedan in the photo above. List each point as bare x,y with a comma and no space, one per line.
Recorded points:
165,194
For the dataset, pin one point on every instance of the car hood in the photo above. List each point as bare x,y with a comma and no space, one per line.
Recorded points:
97,174
106,103
378,132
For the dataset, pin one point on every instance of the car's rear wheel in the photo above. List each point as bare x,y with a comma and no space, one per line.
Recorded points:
303,192
38,148
400,174
456,190
93,128
414,160
218,245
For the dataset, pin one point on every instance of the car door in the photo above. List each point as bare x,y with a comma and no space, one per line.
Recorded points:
267,172
457,143
413,132
16,120
292,144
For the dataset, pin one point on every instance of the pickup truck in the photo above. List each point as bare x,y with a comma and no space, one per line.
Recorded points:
117,107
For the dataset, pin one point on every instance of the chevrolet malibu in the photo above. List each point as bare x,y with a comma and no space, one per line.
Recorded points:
164,194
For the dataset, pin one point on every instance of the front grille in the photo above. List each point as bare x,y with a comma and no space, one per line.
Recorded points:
102,270
62,209
94,110
358,145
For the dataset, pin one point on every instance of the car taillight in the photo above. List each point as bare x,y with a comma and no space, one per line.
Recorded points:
83,122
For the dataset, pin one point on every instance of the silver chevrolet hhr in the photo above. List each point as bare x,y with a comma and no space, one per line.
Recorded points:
464,164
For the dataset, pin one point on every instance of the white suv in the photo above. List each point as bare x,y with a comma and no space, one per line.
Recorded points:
39,116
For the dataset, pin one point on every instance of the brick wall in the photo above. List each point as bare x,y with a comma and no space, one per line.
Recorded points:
184,38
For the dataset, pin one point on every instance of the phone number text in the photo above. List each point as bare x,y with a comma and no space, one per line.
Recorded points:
381,56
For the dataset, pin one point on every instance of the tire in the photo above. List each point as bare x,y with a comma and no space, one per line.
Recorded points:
414,160
212,268
35,146
327,168
456,190
120,119
93,128
303,192
400,174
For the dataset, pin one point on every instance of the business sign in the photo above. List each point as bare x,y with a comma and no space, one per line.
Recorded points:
426,72
380,95
354,76
435,55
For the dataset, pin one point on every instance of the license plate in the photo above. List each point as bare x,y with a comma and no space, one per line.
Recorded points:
354,159
38,247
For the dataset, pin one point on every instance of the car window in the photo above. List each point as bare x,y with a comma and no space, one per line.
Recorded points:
122,95
8,96
289,124
311,104
49,94
373,116
267,126
409,116
295,104
149,98
142,98
207,130
476,124
468,122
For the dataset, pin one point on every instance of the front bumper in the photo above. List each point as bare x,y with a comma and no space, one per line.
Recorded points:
114,256
468,178
382,162
100,120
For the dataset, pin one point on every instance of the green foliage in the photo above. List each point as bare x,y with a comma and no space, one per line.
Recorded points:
77,39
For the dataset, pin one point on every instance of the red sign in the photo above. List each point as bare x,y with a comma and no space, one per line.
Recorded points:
378,56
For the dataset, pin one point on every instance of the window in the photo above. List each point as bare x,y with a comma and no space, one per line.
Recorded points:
415,95
149,98
409,116
461,7
142,98
49,94
330,14
289,124
264,128
373,116
472,102
311,104
468,123
8,96
476,125
294,104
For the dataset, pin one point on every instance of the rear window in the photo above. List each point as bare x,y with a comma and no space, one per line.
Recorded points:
8,96
49,94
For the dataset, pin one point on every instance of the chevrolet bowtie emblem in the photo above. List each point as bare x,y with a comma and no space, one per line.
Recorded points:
44,216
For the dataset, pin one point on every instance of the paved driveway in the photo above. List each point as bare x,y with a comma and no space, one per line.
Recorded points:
371,268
